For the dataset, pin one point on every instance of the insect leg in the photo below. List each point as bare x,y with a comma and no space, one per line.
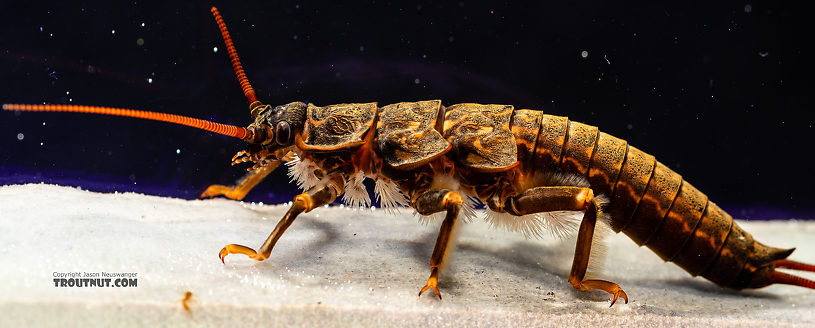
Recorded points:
245,184
582,253
543,199
429,202
323,193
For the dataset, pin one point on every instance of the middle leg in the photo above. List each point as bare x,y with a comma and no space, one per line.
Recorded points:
429,202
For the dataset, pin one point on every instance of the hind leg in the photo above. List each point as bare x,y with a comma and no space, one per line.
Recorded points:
582,253
566,198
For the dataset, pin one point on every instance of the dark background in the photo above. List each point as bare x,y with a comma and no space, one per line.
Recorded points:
719,92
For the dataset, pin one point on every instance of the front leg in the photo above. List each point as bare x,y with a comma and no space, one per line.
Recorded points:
249,181
323,193
429,202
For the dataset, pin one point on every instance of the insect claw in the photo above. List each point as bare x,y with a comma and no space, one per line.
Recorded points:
435,290
618,294
239,249
432,283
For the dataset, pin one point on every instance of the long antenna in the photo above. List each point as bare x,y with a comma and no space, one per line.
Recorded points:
233,56
224,129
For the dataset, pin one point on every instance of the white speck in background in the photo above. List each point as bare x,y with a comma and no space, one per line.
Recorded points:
20,136
584,54
214,49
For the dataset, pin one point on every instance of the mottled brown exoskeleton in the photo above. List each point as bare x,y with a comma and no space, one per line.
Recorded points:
517,162
520,163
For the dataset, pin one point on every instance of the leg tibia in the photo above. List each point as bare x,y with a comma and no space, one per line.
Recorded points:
430,202
582,254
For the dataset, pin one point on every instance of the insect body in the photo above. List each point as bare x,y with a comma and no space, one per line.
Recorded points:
521,163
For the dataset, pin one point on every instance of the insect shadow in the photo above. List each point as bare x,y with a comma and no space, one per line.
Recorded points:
522,260
326,236
709,289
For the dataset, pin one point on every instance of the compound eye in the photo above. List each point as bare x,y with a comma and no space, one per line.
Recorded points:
282,133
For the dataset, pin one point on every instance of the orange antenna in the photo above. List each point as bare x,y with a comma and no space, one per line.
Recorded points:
233,56
224,129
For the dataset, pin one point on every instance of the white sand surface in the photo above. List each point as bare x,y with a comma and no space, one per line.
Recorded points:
337,267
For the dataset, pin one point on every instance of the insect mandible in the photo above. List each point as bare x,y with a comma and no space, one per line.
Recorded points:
520,163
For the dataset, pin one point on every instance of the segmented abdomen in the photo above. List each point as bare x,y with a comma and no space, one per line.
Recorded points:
650,203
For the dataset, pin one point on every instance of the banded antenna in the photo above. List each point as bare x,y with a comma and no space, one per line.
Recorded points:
224,129
236,64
